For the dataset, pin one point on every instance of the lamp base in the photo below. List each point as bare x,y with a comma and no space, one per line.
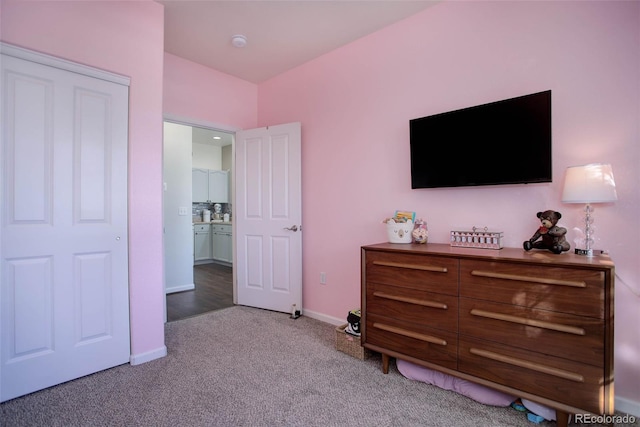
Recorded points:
585,252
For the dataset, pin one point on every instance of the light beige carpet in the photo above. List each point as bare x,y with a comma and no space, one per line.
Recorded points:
242,366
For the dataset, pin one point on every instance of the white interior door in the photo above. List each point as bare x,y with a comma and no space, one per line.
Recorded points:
64,305
268,217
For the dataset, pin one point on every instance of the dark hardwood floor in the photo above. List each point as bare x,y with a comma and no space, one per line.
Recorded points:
214,290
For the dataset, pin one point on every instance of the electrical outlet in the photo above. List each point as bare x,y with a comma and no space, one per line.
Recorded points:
323,278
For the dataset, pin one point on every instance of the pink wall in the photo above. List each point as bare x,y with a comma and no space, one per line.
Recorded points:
355,103
124,38
196,92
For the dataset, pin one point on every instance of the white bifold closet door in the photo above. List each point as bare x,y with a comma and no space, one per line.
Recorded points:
64,301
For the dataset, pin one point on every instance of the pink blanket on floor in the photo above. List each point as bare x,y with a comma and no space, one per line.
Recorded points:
473,391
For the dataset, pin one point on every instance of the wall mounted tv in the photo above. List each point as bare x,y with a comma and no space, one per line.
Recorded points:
503,142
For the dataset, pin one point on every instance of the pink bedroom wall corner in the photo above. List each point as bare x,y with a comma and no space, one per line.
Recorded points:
355,103
194,91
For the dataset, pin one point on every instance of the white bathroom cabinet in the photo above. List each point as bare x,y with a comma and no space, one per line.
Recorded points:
222,242
202,242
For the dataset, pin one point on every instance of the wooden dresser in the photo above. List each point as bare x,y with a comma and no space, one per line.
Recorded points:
533,324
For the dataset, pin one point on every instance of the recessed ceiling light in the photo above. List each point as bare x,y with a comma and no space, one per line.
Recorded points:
239,40
217,137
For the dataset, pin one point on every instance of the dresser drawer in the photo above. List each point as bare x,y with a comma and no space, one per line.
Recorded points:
412,339
576,291
549,332
413,306
427,273
562,380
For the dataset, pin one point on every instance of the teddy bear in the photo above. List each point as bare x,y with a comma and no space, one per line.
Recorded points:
553,237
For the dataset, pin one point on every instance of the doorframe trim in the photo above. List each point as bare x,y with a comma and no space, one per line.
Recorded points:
187,121
63,64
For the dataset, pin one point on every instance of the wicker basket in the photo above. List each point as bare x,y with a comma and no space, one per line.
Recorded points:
349,344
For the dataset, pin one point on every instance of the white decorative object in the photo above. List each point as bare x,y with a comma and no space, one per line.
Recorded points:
477,238
399,232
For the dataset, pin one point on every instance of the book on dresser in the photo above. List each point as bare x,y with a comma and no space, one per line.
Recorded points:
533,324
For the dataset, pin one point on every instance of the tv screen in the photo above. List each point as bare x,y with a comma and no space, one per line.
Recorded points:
503,142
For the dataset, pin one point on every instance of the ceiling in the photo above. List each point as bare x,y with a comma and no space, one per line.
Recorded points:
281,35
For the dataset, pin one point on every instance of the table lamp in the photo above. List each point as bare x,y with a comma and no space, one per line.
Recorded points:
592,183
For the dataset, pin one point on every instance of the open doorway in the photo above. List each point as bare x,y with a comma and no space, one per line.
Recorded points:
198,235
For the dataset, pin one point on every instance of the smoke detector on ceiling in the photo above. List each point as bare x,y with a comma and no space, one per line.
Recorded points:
239,40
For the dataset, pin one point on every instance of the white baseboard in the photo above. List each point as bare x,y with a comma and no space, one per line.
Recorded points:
324,318
180,288
627,406
138,359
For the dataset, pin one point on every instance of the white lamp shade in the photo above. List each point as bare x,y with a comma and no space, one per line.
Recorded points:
591,183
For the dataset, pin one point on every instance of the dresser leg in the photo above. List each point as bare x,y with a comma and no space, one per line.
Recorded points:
562,419
385,363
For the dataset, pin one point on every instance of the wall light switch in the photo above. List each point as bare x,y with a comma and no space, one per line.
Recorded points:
183,211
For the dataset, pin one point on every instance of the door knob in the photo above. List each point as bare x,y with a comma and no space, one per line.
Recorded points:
292,228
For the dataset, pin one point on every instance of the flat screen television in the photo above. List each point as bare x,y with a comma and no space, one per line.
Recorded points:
503,142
